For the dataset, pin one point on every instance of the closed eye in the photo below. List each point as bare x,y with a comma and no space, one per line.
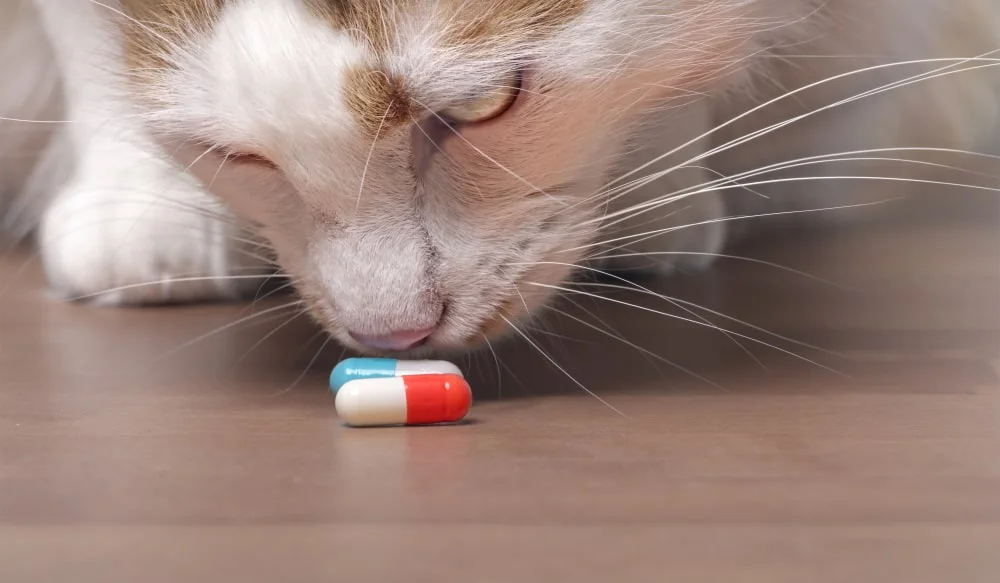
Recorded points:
486,107
249,158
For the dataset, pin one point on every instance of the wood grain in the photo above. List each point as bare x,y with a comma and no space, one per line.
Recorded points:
126,459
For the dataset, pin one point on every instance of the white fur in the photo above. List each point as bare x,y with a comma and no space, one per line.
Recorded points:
127,216
493,216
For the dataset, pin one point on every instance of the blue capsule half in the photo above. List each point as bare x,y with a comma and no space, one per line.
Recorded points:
354,369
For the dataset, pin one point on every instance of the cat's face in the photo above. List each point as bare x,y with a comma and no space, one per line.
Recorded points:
415,163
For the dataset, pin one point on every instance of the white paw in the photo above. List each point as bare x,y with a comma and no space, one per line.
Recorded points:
142,233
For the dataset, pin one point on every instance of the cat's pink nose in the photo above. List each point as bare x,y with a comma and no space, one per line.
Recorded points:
399,340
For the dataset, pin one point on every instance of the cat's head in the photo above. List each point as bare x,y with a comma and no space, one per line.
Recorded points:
419,166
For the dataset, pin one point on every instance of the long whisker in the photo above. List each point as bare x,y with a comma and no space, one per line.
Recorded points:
727,182
644,351
848,155
259,298
166,280
560,368
954,62
36,254
715,313
872,92
134,21
231,325
274,331
469,180
308,367
667,299
774,127
218,171
725,256
644,236
608,328
689,320
459,135
371,152
152,203
496,359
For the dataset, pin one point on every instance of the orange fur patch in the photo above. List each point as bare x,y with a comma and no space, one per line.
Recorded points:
153,27
482,23
379,101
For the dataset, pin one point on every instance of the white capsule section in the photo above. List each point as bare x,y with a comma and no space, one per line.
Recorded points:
373,402
405,400
420,367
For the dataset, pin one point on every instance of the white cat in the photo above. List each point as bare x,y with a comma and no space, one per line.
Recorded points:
429,171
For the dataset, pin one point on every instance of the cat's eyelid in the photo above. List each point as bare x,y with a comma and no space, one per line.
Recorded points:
236,154
487,107
244,157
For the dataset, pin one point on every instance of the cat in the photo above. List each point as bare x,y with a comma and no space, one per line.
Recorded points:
429,173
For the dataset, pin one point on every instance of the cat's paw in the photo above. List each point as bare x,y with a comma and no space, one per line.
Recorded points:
143,234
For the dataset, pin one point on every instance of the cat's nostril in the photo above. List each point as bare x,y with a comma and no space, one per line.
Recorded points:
399,340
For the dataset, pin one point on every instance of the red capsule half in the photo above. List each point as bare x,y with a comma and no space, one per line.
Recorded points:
405,400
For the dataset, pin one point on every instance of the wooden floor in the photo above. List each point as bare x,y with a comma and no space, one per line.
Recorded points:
131,450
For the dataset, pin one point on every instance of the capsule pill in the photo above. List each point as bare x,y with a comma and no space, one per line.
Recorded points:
404,400
354,369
